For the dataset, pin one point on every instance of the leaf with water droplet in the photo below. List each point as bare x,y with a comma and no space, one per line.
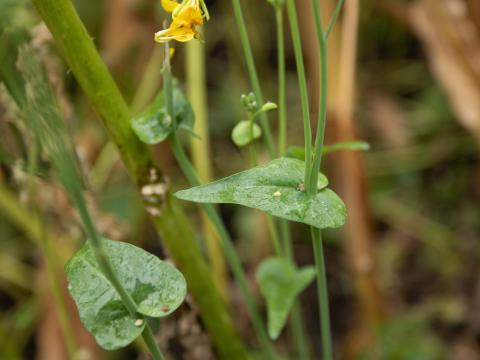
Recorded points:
156,287
154,125
280,283
276,188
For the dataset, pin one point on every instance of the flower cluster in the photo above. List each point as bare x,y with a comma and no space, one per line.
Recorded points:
186,17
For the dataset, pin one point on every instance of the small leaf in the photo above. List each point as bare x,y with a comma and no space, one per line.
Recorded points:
156,287
280,283
269,106
277,189
298,152
154,125
243,131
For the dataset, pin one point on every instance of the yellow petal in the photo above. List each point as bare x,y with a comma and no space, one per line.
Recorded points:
190,14
169,5
181,34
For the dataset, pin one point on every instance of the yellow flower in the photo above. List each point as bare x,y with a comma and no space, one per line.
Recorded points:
186,17
169,5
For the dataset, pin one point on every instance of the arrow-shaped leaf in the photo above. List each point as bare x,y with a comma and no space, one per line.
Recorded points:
277,189
280,284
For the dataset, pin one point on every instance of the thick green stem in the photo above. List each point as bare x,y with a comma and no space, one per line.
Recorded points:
252,72
78,49
302,81
282,108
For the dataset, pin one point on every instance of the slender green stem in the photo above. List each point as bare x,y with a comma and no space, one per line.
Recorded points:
252,71
322,294
299,332
282,108
272,225
286,239
171,223
302,80
102,259
151,343
333,20
296,321
319,139
297,326
170,220
251,146
228,248
100,251
227,244
322,113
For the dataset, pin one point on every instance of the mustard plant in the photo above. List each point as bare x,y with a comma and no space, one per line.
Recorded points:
288,188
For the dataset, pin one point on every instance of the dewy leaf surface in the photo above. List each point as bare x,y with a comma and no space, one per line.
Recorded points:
156,287
155,125
280,283
277,189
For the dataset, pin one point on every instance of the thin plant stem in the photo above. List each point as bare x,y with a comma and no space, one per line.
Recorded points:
282,108
227,244
302,80
272,225
44,119
200,152
253,149
322,114
298,331
104,264
228,248
322,290
169,218
151,343
252,71
334,17
297,326
296,316
312,189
